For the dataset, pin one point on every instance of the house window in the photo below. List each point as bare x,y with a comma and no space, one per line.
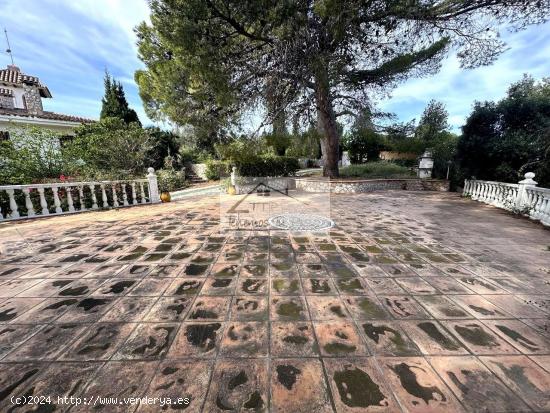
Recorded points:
4,136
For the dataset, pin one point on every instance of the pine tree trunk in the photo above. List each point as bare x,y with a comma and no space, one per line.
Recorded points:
327,125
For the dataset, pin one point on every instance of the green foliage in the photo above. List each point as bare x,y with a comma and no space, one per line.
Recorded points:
111,146
305,144
278,142
238,150
207,62
268,166
502,141
32,155
114,103
444,150
433,122
216,169
363,142
189,155
170,180
162,144
376,170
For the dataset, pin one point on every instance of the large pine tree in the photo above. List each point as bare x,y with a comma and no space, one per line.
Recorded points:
114,103
325,58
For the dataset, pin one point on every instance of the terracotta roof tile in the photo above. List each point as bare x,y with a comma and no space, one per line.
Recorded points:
45,115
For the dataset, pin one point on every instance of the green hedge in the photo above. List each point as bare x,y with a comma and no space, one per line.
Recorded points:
170,180
255,166
215,170
268,166
376,170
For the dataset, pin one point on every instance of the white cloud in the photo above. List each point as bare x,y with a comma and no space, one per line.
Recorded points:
458,88
68,45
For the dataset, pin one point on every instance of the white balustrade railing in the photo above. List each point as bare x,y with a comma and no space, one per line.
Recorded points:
524,197
39,200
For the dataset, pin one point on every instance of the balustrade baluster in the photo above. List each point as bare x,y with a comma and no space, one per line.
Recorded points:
70,199
134,198
124,195
115,198
81,197
13,204
28,202
56,200
104,196
143,199
94,198
43,203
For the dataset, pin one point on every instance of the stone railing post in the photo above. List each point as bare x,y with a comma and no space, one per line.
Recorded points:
153,186
522,200
234,176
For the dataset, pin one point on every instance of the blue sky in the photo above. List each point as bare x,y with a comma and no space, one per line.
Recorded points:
69,43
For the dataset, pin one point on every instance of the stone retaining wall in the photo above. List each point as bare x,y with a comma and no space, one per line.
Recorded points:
370,185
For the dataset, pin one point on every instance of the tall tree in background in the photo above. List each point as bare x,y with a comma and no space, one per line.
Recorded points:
328,55
114,103
502,141
433,122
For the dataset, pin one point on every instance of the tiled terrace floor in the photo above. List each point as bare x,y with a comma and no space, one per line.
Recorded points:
416,302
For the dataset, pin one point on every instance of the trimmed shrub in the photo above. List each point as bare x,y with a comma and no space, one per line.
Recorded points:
376,170
268,166
215,170
170,180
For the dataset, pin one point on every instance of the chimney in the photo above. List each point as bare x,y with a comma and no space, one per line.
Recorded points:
33,100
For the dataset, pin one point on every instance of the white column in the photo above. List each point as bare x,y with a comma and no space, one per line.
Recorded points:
13,204
153,186
70,199
143,199
522,202
56,200
134,198
124,195
104,196
81,197
94,198
28,203
43,203
115,199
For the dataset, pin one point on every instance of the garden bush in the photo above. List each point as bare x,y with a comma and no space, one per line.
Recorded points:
376,170
217,169
268,166
170,180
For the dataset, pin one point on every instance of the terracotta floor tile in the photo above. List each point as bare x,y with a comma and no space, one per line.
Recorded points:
327,308
357,385
404,307
478,338
293,339
197,340
238,386
387,338
522,337
339,338
432,338
416,385
245,339
119,379
179,380
528,380
401,275
476,387
250,308
299,386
